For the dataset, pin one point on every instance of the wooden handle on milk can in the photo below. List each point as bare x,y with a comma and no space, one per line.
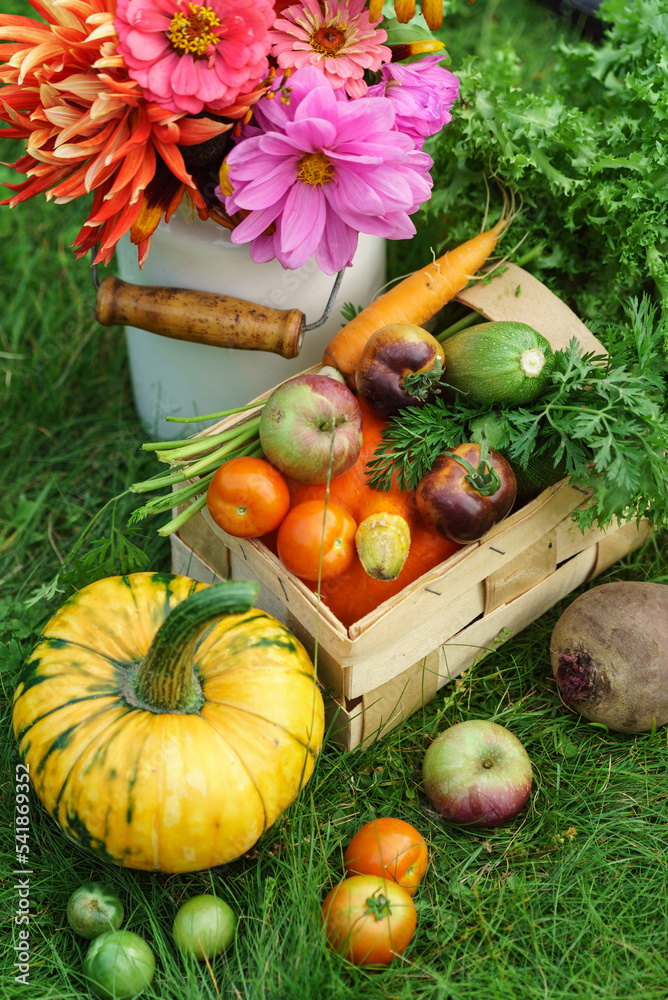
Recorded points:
200,317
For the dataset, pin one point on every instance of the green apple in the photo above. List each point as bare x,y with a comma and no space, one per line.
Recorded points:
308,423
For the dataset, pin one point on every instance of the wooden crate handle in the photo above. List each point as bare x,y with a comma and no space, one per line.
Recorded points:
200,317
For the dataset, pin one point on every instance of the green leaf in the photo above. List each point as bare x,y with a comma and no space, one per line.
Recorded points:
46,592
349,311
11,657
115,554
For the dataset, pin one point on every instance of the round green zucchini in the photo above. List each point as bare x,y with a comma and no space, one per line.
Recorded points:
498,363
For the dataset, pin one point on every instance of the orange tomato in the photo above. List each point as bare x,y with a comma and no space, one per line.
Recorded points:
389,848
368,919
311,528
248,497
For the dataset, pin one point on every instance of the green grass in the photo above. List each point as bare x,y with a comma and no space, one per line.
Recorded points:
567,901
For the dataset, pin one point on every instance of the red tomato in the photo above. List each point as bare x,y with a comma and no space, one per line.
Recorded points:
248,497
307,530
389,848
368,920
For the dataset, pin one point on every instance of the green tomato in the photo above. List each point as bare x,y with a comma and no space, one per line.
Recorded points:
204,926
119,965
94,908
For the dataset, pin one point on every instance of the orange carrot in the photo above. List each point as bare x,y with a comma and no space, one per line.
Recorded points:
415,299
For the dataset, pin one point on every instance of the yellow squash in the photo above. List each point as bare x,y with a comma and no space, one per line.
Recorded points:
165,723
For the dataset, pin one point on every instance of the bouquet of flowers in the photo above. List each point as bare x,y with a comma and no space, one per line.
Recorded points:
296,126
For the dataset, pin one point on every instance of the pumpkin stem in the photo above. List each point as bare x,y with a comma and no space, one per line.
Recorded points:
165,680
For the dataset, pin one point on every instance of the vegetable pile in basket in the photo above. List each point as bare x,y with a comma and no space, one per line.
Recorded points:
599,419
365,476
416,299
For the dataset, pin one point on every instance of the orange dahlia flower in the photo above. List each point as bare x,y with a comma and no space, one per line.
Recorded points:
404,11
87,127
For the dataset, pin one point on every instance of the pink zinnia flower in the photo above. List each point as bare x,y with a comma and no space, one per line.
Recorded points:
422,94
336,36
65,92
187,57
324,169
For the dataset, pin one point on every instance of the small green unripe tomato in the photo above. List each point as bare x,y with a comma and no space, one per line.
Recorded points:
204,926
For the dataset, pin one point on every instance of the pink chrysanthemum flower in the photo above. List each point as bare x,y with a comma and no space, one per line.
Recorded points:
422,94
188,57
336,36
324,169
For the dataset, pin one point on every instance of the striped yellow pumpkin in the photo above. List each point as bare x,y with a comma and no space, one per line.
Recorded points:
165,723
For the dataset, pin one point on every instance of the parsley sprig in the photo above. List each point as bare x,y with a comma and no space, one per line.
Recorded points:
605,416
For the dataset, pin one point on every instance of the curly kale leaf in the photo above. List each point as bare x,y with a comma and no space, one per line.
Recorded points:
586,152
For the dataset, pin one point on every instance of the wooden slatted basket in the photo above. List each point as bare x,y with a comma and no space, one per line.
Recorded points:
384,667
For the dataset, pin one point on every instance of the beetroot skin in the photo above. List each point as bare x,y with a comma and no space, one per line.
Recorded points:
609,653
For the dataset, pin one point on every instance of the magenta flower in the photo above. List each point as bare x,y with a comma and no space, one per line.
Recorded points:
336,36
187,57
422,94
323,170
